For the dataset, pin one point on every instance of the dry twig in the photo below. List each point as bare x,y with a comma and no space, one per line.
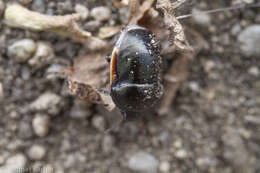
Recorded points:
20,17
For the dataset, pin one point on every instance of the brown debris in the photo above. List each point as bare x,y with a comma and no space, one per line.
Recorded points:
176,29
138,13
62,25
88,77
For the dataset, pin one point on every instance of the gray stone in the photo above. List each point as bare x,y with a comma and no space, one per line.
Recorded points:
36,152
249,40
38,5
1,91
41,125
14,164
46,102
99,122
144,162
22,50
101,13
108,143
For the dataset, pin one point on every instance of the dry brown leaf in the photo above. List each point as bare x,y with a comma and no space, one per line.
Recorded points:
19,17
137,14
88,77
176,29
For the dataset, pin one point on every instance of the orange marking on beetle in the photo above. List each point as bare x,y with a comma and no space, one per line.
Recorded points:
113,64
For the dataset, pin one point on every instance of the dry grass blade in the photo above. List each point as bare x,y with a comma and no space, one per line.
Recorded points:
62,25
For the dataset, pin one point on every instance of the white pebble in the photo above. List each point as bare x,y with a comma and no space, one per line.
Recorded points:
201,18
45,101
254,71
22,50
249,40
14,164
36,152
43,55
41,125
81,9
144,162
181,154
164,166
101,13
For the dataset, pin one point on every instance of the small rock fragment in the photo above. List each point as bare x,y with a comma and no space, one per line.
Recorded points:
43,55
108,143
254,71
201,18
14,164
25,1
39,6
144,162
249,40
92,26
81,9
22,50
41,125
108,31
164,166
181,154
99,122
48,102
36,152
25,130
101,13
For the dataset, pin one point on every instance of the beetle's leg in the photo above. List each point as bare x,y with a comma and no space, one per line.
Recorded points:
108,58
103,91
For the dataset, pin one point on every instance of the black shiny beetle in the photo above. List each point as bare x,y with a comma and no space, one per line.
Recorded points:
135,70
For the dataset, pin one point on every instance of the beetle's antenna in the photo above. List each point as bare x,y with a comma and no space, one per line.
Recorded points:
222,9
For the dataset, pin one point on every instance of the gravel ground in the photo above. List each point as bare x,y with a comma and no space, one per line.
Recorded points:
213,125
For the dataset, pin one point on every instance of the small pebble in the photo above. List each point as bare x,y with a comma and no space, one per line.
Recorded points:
36,152
181,154
99,122
235,29
81,9
101,13
25,130
108,143
25,1
254,71
39,6
41,125
80,110
249,40
144,162
14,164
92,25
48,102
164,166
22,50
201,18
43,55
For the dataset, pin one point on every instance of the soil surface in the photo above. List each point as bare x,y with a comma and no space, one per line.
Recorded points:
213,124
